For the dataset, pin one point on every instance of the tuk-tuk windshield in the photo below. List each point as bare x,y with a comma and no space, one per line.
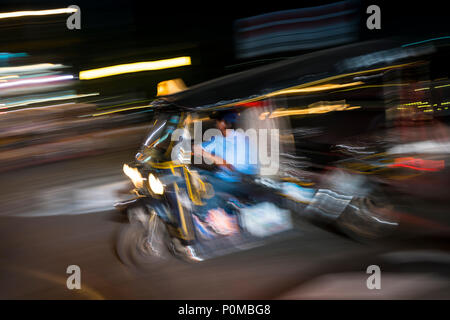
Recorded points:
158,141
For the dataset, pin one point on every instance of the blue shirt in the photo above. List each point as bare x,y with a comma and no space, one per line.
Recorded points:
235,149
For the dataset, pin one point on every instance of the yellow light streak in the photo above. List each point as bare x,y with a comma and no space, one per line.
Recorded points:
414,103
120,110
134,67
323,87
120,105
376,86
312,110
17,14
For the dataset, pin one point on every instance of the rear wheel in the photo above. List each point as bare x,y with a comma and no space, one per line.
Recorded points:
360,206
367,218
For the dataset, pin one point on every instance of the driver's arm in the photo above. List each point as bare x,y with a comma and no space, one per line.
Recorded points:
198,150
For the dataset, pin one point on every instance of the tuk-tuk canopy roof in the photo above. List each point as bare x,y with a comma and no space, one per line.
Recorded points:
325,64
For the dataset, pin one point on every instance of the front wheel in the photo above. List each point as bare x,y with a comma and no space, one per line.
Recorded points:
144,242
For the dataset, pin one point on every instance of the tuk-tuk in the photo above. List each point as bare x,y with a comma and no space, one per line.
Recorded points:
312,107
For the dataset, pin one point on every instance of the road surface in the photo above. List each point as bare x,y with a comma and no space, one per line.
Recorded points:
60,214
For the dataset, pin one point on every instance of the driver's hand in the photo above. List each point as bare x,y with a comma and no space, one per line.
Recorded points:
227,166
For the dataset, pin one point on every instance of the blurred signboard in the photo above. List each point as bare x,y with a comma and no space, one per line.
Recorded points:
297,29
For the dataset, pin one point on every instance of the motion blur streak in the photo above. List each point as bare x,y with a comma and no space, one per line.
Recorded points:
418,164
17,14
316,82
90,293
324,87
316,108
9,77
134,67
33,101
120,110
29,68
34,81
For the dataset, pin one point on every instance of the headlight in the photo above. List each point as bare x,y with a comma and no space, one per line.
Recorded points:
134,175
155,184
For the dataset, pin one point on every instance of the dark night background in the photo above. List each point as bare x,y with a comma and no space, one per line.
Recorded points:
116,32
